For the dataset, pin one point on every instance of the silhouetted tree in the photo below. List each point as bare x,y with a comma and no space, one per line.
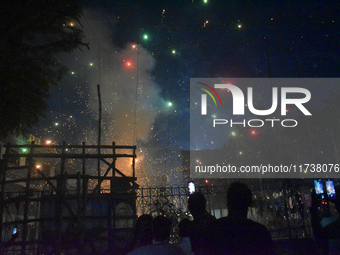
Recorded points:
32,34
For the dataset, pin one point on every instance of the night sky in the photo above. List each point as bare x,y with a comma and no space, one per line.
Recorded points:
143,54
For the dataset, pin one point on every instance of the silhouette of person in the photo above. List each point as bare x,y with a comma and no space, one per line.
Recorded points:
143,234
236,234
160,244
202,219
184,230
326,231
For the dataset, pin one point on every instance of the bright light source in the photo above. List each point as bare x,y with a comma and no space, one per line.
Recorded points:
169,104
37,166
173,51
48,142
128,64
145,37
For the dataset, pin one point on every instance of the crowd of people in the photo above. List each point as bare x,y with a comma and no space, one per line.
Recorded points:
234,234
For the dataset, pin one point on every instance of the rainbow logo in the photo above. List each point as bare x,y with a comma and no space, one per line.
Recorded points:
209,93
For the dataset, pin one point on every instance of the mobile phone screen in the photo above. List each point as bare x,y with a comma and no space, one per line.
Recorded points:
330,189
319,189
15,230
191,187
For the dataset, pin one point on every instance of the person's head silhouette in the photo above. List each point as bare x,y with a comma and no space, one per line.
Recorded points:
144,230
239,198
161,228
197,204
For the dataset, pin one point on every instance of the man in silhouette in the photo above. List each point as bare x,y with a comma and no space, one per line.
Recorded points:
143,234
235,234
202,220
160,244
184,231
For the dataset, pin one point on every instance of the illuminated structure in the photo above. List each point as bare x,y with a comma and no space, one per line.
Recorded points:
56,207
